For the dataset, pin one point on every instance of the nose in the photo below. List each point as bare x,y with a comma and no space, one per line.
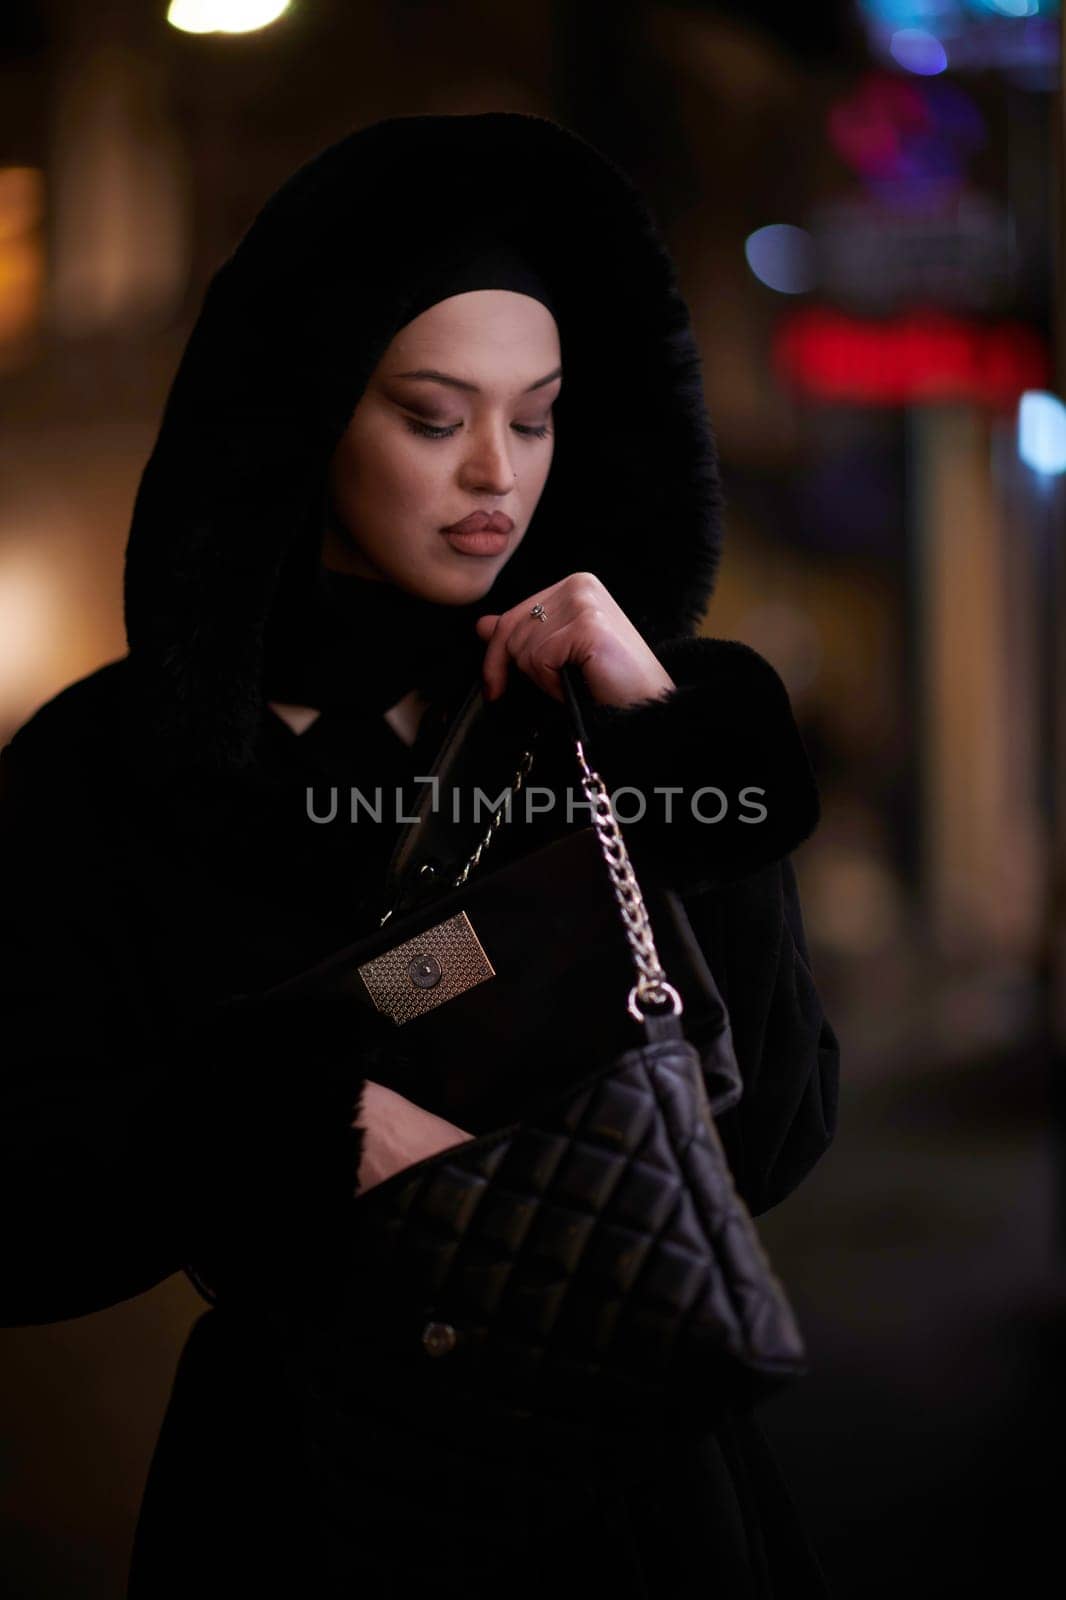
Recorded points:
486,467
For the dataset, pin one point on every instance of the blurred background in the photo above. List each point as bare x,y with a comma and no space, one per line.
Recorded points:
864,198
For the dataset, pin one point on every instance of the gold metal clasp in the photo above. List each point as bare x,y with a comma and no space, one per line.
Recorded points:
422,973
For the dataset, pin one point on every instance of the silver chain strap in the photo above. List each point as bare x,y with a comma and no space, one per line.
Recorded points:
651,987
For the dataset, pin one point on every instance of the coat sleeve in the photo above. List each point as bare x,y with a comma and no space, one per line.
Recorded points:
129,1145
789,1056
719,763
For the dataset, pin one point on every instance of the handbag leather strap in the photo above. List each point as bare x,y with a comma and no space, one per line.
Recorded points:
426,848
574,687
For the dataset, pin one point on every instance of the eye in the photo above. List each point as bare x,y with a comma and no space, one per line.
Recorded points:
426,430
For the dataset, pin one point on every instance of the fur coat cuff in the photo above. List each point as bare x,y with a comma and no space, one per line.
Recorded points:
725,741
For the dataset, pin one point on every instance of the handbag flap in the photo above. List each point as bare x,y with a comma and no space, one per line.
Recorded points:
555,975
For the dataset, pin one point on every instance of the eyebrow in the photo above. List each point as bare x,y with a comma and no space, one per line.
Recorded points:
431,375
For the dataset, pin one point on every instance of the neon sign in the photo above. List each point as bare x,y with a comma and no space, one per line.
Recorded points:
921,358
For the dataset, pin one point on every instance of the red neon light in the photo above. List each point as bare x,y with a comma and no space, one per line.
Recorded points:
923,357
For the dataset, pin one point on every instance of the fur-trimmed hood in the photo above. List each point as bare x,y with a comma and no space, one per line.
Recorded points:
292,326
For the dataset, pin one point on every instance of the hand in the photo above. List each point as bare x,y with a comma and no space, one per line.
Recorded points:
397,1134
584,625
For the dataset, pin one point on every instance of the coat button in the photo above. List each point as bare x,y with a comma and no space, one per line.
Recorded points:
425,971
439,1338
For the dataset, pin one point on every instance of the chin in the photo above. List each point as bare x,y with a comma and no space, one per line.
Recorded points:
463,593
458,588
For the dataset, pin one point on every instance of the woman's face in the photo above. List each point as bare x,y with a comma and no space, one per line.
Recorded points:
422,453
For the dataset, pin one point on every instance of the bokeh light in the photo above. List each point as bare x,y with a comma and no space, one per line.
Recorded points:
21,254
947,18
918,51
1042,431
29,620
913,136
224,16
782,256
919,358
1011,8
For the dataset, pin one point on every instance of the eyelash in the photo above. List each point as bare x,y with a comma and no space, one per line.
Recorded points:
425,431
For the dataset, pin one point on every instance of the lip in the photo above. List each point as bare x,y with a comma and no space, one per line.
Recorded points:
482,522
481,542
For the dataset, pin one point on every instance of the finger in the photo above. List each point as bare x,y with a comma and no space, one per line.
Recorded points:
541,656
494,665
501,645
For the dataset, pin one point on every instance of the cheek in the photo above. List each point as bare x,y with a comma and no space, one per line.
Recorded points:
381,471
545,467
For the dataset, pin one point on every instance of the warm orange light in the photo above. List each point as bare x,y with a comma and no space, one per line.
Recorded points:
29,607
21,254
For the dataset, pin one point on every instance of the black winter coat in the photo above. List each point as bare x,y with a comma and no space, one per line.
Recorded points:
157,857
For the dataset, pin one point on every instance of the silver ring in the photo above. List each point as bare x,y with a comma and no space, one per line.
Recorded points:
664,991
539,611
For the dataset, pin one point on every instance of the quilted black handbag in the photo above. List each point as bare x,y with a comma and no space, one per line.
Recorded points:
588,1262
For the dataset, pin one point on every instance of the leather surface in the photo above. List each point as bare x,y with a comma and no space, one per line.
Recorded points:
593,1263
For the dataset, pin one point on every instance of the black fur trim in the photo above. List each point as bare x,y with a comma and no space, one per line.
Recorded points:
728,725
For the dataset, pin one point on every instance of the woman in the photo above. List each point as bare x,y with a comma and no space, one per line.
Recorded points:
299,620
